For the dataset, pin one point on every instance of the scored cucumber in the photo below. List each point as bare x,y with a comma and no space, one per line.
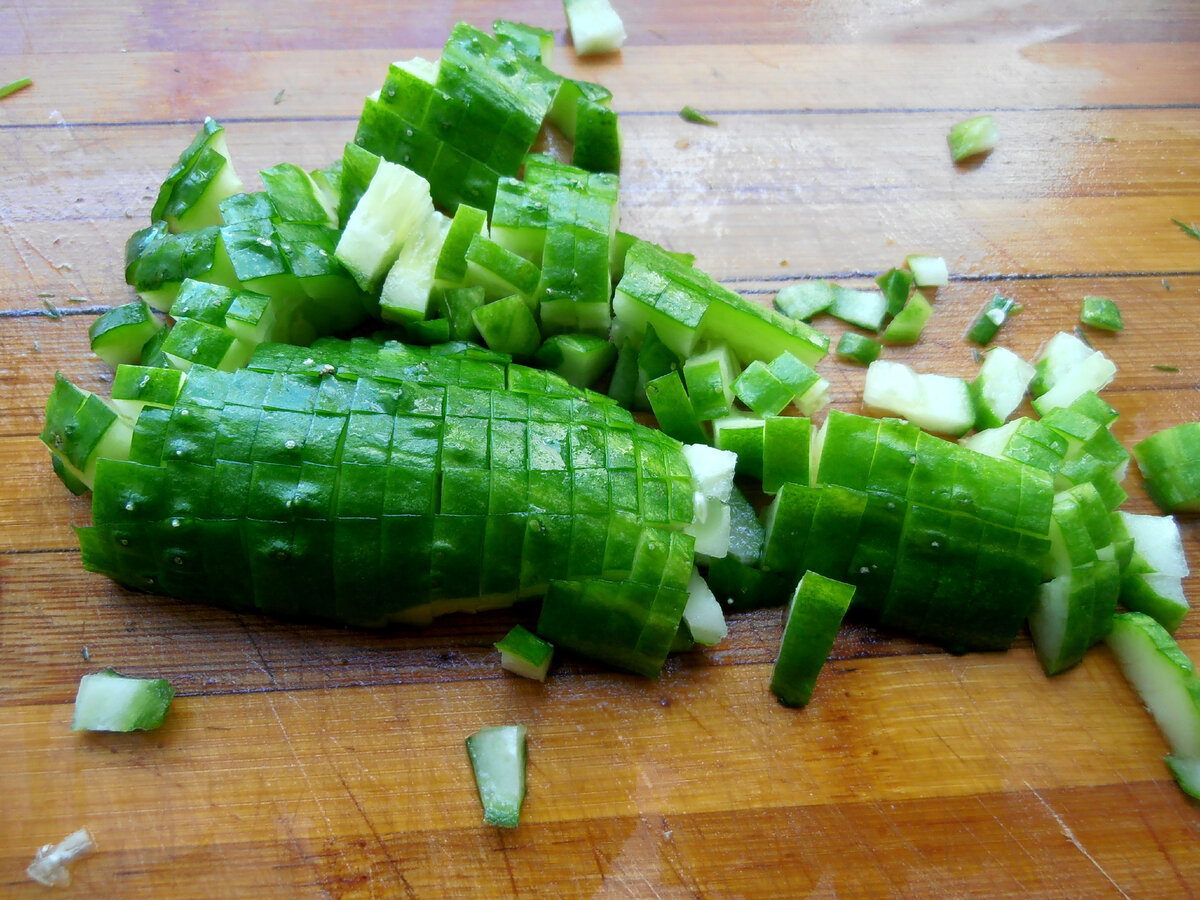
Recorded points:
108,701
497,755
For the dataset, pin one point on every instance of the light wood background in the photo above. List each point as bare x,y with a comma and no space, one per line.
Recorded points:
309,762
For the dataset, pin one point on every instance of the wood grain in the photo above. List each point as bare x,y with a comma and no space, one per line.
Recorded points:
305,761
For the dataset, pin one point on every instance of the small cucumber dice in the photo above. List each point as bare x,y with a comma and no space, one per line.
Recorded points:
497,757
108,701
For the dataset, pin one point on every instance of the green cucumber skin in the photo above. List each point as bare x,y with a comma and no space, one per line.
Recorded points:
301,485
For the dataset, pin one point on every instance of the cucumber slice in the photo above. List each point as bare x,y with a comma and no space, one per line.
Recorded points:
743,436
497,757
404,296
866,309
896,285
1163,677
580,358
1057,356
702,614
908,324
1153,580
508,326
991,319
1093,373
805,299
810,626
524,653
857,348
203,176
785,451
595,26
710,377
108,701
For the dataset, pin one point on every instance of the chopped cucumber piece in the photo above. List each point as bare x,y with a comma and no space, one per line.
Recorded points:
119,335
595,26
1058,356
855,347
508,326
896,285
203,176
744,436
108,701
1163,677
1102,313
866,309
580,358
805,299
991,319
786,448
768,388
404,296
597,138
497,757
1093,373
908,324
810,626
999,387
690,114
1153,580
80,430
710,377
972,137
524,653
746,533
1170,463
928,271
703,615
391,212
937,403
671,407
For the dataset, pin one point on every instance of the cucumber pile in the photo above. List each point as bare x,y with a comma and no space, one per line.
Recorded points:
379,400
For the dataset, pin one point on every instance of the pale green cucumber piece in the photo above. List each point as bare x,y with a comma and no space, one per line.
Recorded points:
972,137
1163,677
524,653
712,470
1060,354
1153,580
497,755
711,527
1170,462
119,335
394,207
810,626
702,615
769,388
937,403
1093,373
1102,313
746,533
404,296
999,387
203,176
866,309
710,377
595,26
1061,619
908,324
573,93
927,271
805,299
108,701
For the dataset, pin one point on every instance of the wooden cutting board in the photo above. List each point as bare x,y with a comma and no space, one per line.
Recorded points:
309,762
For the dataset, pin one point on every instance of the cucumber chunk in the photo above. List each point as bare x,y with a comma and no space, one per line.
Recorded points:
524,653
108,701
702,614
119,335
999,387
497,755
927,271
595,26
810,626
1167,682
1170,463
972,137
937,403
